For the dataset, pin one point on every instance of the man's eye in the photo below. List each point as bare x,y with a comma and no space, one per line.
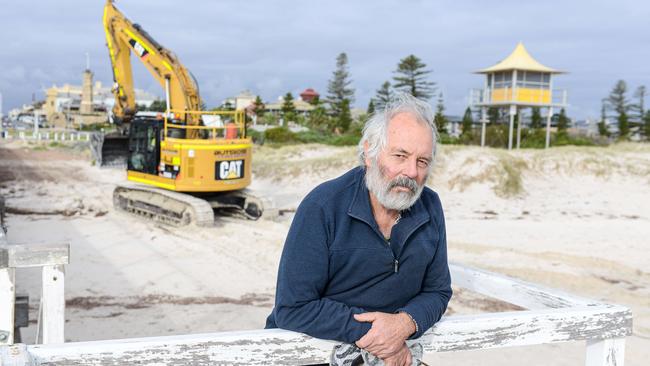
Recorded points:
423,163
401,156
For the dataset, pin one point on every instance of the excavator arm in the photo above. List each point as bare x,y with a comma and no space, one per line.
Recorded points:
124,37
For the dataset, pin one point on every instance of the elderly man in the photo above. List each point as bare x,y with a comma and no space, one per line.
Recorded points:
365,260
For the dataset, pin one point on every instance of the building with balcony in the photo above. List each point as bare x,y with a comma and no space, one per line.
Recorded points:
517,82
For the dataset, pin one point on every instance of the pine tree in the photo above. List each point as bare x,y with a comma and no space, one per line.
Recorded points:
536,118
411,77
646,125
371,107
288,108
258,107
640,106
439,119
619,103
315,101
338,88
494,115
318,118
383,95
562,122
602,124
467,124
345,117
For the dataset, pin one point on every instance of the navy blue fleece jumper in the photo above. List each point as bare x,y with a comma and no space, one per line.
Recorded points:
336,263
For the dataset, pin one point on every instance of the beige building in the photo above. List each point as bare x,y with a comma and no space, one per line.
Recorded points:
75,105
301,106
241,101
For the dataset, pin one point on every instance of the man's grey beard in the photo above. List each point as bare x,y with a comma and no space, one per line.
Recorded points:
381,187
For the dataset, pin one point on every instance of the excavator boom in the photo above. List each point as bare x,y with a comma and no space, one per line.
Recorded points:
123,38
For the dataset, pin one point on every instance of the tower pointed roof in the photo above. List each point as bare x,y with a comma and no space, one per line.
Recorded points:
519,59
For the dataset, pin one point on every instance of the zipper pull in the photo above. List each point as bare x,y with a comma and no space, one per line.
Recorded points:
396,265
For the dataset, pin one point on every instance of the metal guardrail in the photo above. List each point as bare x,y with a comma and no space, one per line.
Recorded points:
551,316
217,125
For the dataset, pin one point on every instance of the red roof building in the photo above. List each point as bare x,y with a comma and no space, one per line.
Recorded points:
308,95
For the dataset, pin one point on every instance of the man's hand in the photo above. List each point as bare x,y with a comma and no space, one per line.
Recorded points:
401,358
387,335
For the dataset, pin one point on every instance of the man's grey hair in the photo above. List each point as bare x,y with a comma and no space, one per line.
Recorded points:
375,132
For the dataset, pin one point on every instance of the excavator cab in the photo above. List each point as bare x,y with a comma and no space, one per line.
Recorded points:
144,145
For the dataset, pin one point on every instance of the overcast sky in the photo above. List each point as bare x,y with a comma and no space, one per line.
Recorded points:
273,47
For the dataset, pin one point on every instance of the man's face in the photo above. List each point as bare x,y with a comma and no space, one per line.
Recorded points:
398,174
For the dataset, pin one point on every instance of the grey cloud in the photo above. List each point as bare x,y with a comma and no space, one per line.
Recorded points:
280,46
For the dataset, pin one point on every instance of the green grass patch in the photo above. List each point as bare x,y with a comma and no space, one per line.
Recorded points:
56,144
282,136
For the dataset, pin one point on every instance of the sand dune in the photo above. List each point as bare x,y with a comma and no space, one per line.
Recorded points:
577,219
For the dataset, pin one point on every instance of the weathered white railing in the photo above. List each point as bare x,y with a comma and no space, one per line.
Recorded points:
51,258
552,317
46,136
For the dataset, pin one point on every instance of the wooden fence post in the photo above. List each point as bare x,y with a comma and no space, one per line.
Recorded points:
7,299
605,352
53,304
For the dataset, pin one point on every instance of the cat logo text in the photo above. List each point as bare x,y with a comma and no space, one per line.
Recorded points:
229,169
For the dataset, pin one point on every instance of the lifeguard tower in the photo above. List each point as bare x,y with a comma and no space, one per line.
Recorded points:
519,81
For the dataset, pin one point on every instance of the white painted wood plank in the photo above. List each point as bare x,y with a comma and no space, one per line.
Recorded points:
521,328
53,304
263,347
7,300
288,348
606,352
25,255
514,291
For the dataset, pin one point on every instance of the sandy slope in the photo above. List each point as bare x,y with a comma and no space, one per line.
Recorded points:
575,219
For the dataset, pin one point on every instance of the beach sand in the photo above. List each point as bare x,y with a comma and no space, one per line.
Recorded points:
576,219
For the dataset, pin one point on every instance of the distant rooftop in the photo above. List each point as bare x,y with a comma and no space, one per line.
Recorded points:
519,59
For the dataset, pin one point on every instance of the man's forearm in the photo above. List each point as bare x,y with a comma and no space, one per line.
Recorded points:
322,318
426,309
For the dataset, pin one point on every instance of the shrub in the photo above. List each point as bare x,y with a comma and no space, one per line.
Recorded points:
448,139
97,127
312,136
279,134
256,136
344,140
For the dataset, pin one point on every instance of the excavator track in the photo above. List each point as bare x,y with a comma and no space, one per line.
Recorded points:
166,207
181,209
237,203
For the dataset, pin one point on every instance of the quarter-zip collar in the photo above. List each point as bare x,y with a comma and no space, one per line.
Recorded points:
410,220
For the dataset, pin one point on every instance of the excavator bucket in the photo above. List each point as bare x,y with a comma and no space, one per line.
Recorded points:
110,150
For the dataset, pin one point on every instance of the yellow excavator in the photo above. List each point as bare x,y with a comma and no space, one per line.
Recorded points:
187,163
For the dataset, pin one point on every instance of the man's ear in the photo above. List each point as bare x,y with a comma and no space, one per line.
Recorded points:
365,154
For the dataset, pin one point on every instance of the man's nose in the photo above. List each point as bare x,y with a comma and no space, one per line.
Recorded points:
411,169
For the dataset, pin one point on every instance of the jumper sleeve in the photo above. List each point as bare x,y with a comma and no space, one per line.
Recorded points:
427,307
303,277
